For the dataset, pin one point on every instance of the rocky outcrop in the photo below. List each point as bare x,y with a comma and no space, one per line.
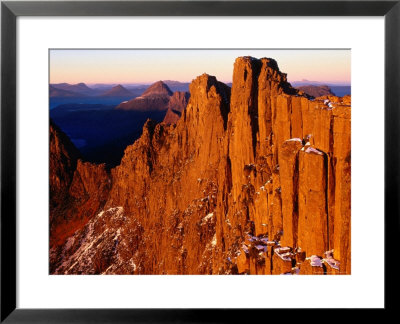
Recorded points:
89,188
253,179
170,173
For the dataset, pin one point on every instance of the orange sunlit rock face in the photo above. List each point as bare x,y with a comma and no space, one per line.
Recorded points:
253,179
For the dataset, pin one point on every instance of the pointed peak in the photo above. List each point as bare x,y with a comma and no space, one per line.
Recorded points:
81,84
117,91
158,88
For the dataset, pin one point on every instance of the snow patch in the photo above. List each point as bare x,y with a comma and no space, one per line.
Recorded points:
295,139
313,150
315,261
335,264
284,253
329,260
262,248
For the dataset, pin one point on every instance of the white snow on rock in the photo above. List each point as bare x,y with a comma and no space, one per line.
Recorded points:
92,238
335,264
313,150
315,261
329,260
245,249
261,248
295,139
284,253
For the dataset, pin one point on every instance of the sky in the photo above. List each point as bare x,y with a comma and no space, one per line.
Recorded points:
148,66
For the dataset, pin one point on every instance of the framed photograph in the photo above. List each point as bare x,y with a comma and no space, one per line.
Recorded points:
160,158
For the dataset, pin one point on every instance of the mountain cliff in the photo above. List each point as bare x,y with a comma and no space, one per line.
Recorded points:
252,179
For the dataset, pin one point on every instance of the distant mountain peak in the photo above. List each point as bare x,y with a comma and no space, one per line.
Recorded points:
79,88
158,88
155,98
316,90
117,91
83,86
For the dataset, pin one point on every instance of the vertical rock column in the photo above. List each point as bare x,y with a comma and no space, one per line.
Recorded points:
342,159
288,162
243,116
296,122
313,227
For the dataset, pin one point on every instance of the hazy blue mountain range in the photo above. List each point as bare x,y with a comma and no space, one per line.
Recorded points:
89,117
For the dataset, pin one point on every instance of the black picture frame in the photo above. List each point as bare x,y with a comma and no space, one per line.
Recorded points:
10,10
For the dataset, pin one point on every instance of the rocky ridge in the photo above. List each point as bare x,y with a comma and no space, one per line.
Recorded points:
251,180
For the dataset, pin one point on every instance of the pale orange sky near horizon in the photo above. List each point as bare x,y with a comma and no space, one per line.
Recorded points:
148,66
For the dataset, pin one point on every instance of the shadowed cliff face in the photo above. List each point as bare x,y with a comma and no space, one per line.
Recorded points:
176,105
78,190
253,179
63,159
